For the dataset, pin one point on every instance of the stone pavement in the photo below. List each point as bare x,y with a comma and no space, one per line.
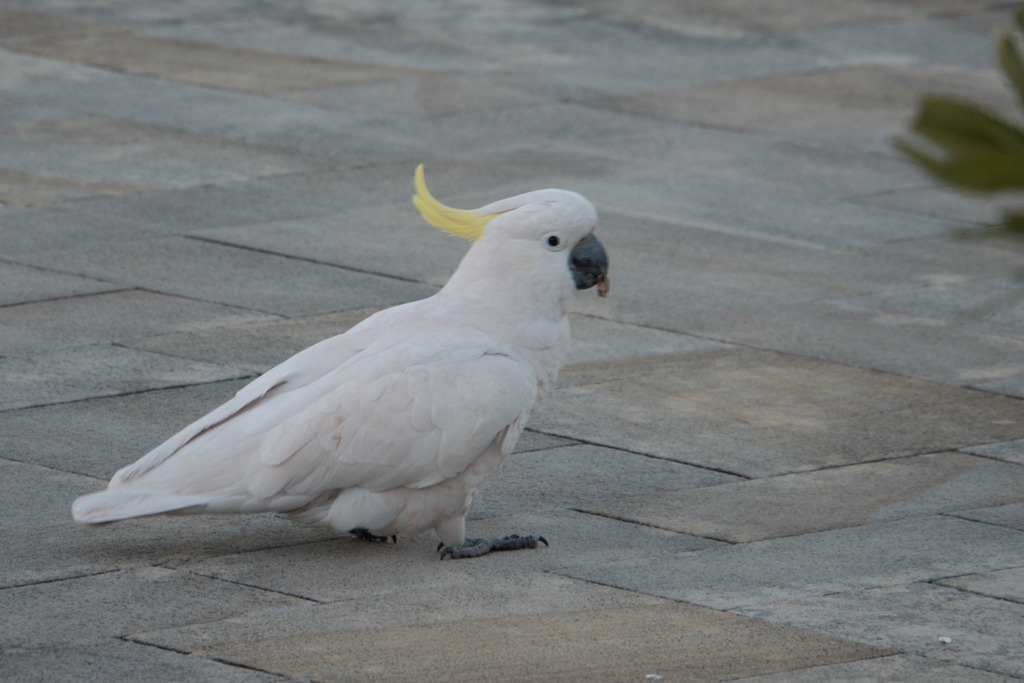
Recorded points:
789,445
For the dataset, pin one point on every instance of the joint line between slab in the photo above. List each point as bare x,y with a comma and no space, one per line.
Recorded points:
166,648
58,580
127,393
653,526
305,259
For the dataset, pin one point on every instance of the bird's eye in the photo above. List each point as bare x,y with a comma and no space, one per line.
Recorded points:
553,241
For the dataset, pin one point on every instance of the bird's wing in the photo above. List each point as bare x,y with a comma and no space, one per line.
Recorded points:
414,425
413,414
296,373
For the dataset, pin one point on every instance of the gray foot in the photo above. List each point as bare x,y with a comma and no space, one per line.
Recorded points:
365,535
475,547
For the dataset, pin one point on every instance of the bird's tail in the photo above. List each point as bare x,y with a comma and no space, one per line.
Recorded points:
115,505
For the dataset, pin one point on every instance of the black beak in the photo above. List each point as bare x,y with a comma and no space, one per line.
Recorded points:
589,265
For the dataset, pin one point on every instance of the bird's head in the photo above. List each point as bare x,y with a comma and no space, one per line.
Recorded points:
542,231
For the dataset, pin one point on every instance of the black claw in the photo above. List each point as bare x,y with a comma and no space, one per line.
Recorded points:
544,541
365,535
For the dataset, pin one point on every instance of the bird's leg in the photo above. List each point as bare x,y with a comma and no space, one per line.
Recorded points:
475,547
365,535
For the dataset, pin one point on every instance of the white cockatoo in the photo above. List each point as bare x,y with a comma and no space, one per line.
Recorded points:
392,427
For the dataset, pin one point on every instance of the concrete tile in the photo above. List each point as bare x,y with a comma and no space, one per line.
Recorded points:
796,504
117,316
860,104
680,195
598,644
657,56
402,244
596,339
757,413
256,346
458,593
571,477
922,42
337,569
1006,584
98,370
984,633
903,345
17,21
32,189
89,608
566,42
338,33
245,278
24,284
207,64
174,105
116,660
100,221
42,544
98,436
1010,515
426,95
990,306
1010,451
757,575
893,668
135,157
939,201
715,17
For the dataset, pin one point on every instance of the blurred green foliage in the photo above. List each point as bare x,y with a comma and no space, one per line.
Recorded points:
967,146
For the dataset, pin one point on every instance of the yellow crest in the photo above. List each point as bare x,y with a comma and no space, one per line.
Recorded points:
461,222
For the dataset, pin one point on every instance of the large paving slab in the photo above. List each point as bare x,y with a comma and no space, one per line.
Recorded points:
1010,451
98,436
846,105
259,345
893,668
42,544
982,632
714,17
112,660
117,316
238,277
217,66
1010,515
758,413
98,370
807,502
125,154
23,284
666,640
575,475
108,605
1005,584
811,566
335,570
19,188
902,344
99,221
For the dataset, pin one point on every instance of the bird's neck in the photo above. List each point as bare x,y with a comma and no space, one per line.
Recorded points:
524,312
